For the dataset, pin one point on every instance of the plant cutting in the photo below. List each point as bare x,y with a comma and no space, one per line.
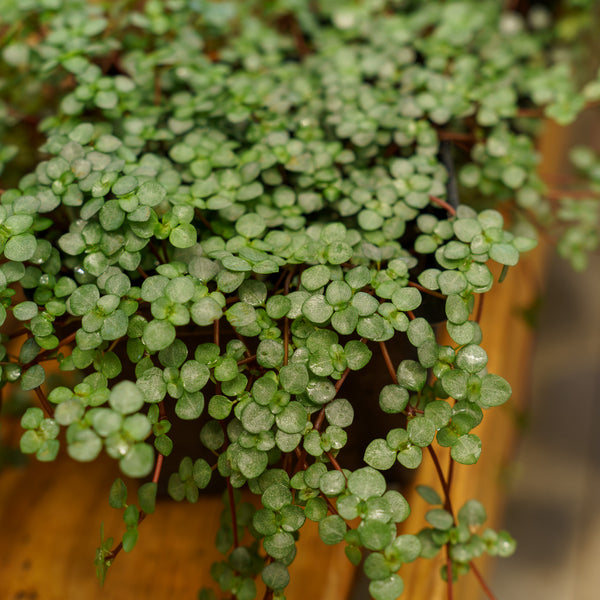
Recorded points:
237,210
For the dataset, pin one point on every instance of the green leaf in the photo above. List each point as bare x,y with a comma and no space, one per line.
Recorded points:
494,390
467,449
293,378
332,483
366,482
505,254
386,589
292,419
252,462
250,225
472,513
202,473
421,431
20,247
408,298
256,418
408,547
31,441
206,311
315,509
138,461
219,407
151,193
147,497
158,335
379,455
439,518
276,496
410,457
375,534
339,412
316,309
183,236
117,497
428,494
241,314
190,405
393,398
471,358
357,354
411,375
315,277
275,576
33,377
452,282
83,445
332,530
126,398
32,418
398,505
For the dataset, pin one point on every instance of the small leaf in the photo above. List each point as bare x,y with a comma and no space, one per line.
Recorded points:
147,497
117,497
429,494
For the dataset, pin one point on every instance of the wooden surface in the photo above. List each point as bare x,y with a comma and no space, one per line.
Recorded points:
50,517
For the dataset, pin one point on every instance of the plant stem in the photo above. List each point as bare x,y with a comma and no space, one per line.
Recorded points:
443,204
157,468
44,401
246,360
449,573
440,474
388,362
482,582
425,290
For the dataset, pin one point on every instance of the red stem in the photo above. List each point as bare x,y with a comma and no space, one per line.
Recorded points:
482,582
44,401
443,204
157,468
388,362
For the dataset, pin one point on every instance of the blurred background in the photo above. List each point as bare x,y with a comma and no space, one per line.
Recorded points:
554,484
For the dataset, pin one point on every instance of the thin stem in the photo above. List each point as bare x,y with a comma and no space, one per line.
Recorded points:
388,362
443,204
246,360
341,380
450,473
44,401
482,582
142,272
335,463
480,308
157,468
440,474
425,290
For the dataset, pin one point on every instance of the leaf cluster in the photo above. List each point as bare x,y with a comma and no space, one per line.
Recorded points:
227,222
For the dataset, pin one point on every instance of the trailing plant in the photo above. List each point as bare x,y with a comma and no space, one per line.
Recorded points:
236,209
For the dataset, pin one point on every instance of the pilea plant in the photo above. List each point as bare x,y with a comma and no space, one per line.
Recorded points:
239,207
